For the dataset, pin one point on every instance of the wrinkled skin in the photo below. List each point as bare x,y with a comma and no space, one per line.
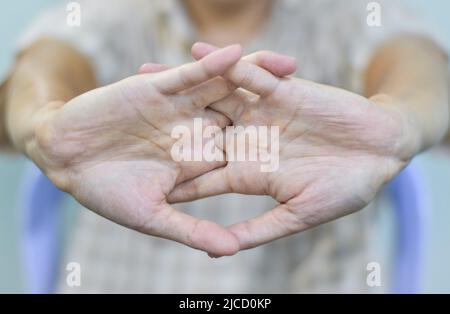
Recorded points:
337,149
110,148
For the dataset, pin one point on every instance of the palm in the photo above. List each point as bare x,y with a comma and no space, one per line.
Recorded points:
128,161
110,148
329,139
331,134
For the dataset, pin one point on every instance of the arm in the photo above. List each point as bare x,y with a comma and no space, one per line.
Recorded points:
3,136
410,74
48,71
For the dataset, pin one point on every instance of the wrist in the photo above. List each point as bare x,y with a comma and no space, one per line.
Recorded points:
3,132
410,139
28,128
37,140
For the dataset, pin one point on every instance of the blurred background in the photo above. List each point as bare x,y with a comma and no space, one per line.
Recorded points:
15,16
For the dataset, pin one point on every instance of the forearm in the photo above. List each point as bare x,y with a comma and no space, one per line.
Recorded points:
48,71
413,73
3,136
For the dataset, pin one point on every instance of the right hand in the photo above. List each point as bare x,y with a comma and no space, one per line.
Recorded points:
110,148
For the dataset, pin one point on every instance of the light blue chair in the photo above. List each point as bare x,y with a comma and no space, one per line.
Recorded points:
40,231
412,202
41,224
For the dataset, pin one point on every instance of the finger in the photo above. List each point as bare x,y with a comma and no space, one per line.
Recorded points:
218,118
272,225
201,95
253,78
192,74
278,64
248,75
153,68
204,95
212,183
200,234
232,106
217,88
209,92
200,50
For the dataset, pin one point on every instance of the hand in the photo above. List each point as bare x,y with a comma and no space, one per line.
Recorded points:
110,148
337,149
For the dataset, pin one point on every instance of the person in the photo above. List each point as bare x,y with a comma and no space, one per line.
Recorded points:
108,146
